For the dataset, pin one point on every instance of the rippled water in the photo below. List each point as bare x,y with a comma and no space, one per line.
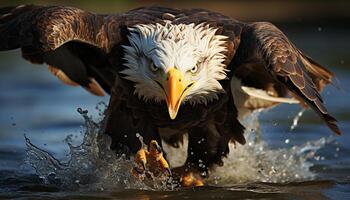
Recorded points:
63,157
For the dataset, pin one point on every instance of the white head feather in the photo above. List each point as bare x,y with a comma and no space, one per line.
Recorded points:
183,46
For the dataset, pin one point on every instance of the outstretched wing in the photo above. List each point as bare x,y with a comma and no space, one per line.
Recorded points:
267,60
74,43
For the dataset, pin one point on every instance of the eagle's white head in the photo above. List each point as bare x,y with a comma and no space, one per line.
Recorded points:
175,63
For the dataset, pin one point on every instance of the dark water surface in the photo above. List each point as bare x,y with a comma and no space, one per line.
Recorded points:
316,165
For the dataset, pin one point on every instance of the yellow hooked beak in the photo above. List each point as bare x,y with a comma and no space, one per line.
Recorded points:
176,89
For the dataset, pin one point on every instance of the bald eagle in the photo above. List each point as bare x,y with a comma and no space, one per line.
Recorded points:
169,71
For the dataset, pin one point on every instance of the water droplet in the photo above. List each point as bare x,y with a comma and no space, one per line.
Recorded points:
216,180
273,169
287,141
297,118
204,174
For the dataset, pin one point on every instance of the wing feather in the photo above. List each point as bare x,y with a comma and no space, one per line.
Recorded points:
62,37
287,65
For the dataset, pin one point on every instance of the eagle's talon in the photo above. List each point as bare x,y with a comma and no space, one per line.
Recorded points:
141,160
191,180
151,160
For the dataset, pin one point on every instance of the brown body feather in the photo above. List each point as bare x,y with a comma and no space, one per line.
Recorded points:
84,46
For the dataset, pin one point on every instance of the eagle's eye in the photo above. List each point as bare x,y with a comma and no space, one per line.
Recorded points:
194,69
153,68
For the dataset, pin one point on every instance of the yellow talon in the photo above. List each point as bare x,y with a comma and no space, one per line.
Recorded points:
141,158
189,180
151,159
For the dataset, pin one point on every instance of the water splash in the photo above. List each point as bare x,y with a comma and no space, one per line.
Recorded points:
94,166
256,162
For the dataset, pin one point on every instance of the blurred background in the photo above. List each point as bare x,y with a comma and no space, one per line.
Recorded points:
286,11
35,103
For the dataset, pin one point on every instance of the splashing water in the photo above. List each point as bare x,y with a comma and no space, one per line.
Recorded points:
94,166
256,162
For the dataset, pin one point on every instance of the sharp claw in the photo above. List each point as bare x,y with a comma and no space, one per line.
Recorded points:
169,171
143,165
159,148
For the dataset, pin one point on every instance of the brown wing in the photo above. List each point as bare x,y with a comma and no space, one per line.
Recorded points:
74,43
266,57
83,48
